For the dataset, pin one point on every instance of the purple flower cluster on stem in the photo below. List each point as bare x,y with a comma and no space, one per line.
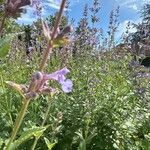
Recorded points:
58,76
41,81
37,6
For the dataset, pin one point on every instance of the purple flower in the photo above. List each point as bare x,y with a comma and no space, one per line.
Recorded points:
40,81
67,86
37,7
39,84
59,76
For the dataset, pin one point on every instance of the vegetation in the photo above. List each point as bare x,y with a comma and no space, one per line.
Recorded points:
108,107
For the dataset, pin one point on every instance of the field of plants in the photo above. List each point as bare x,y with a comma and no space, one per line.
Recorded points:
66,87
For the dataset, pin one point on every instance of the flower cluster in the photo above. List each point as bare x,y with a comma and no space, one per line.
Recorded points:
13,8
39,84
60,34
37,6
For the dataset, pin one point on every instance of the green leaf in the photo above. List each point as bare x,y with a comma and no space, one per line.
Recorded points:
82,145
49,144
36,132
5,46
1,142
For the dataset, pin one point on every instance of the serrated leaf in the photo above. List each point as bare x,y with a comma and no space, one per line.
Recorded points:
49,144
27,135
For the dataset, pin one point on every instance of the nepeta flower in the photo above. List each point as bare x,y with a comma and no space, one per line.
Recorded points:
39,84
59,76
40,81
13,8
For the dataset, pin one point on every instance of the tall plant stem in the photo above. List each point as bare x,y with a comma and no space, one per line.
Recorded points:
50,44
2,24
18,122
44,120
41,68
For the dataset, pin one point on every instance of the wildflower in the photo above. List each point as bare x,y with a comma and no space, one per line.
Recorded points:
59,76
60,38
14,7
39,84
41,81
29,51
66,30
37,7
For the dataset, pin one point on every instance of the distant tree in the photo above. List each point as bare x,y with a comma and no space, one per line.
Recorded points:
140,40
145,12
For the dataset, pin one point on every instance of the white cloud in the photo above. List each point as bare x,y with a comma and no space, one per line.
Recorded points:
53,4
29,17
56,3
132,4
134,7
122,27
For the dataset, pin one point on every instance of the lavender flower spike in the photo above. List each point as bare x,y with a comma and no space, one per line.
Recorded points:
59,76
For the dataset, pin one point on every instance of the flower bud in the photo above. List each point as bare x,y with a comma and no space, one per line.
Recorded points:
31,95
38,75
66,30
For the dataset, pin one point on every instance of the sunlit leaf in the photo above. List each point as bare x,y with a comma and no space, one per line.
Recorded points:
49,144
82,145
5,44
1,142
35,132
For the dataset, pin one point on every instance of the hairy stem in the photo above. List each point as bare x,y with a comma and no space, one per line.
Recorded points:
2,24
50,44
43,63
18,123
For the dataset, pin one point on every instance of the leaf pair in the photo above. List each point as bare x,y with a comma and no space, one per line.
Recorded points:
36,132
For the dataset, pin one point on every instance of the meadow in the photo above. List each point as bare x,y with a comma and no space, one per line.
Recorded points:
72,88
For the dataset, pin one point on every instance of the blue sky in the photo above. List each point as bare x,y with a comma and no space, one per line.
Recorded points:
129,11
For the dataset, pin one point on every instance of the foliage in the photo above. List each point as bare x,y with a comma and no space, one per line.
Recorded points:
146,12
109,107
104,106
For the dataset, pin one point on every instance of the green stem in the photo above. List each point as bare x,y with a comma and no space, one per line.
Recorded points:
43,63
2,82
18,123
50,44
2,24
44,120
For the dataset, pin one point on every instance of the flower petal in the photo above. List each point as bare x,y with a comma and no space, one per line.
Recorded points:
67,86
58,75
